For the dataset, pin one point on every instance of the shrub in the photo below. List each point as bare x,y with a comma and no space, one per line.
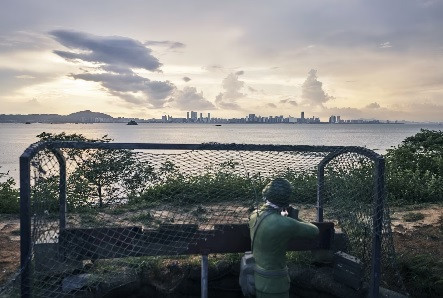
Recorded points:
415,169
9,195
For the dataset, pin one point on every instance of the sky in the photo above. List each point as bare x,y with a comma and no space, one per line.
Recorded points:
379,59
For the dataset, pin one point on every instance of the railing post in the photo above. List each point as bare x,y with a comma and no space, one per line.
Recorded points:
377,226
320,187
62,187
204,276
25,226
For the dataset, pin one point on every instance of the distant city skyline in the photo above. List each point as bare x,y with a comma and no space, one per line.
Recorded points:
357,59
89,116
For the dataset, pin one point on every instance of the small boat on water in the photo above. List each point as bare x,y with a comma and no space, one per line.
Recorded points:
218,125
27,122
132,122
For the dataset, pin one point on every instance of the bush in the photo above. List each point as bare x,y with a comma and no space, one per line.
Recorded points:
423,274
9,196
415,169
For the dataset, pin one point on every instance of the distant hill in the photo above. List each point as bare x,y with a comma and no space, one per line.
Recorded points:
80,117
88,116
88,113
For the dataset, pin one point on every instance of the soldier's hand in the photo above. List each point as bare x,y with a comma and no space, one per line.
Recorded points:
292,212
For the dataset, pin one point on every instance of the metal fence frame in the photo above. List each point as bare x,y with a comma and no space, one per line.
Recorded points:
55,146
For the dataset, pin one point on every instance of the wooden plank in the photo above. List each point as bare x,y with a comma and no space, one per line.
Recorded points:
348,261
171,239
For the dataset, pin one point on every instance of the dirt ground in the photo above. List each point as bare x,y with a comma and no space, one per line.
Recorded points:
419,236
412,232
9,246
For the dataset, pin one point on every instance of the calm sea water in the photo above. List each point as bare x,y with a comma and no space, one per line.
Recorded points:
15,138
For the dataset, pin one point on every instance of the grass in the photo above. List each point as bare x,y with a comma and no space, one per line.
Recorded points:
422,274
142,218
413,216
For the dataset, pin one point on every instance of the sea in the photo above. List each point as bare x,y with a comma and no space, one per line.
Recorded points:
16,137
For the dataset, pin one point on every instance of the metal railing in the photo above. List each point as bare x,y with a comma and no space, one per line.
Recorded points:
56,147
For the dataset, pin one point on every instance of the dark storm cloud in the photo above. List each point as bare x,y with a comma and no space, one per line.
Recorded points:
186,79
271,105
116,56
154,93
112,50
166,43
240,72
189,98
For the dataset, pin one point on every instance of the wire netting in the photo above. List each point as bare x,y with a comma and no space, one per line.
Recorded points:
99,241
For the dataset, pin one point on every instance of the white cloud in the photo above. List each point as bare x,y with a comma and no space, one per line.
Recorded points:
385,45
312,90
190,99
232,87
373,105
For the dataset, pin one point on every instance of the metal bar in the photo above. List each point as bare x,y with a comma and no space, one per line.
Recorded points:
320,187
378,226
205,146
62,187
321,180
25,226
109,243
204,276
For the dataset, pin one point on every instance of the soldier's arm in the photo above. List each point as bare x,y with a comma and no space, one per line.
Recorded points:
304,229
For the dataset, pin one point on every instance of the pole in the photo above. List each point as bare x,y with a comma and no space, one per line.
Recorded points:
320,187
204,276
378,227
25,226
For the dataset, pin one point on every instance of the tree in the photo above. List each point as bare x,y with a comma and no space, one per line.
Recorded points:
9,195
101,176
415,168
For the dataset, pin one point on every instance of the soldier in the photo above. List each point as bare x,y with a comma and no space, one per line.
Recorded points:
270,232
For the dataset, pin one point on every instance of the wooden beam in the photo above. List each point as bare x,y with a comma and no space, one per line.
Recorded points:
107,243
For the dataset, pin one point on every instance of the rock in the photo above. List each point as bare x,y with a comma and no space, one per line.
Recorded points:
76,282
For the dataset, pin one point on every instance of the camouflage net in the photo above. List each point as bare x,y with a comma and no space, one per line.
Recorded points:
123,193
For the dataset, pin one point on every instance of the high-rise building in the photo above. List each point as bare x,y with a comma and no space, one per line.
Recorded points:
302,115
187,115
209,117
193,116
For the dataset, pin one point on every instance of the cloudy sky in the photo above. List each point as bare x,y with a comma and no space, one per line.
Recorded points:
359,59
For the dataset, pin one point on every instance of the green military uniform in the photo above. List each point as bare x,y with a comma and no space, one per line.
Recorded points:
269,249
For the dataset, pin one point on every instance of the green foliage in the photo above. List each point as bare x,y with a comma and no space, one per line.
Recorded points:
415,169
181,189
423,274
100,175
9,195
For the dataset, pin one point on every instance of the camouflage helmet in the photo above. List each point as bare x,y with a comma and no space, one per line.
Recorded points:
278,192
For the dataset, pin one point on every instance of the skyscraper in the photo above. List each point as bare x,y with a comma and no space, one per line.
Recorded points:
193,116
